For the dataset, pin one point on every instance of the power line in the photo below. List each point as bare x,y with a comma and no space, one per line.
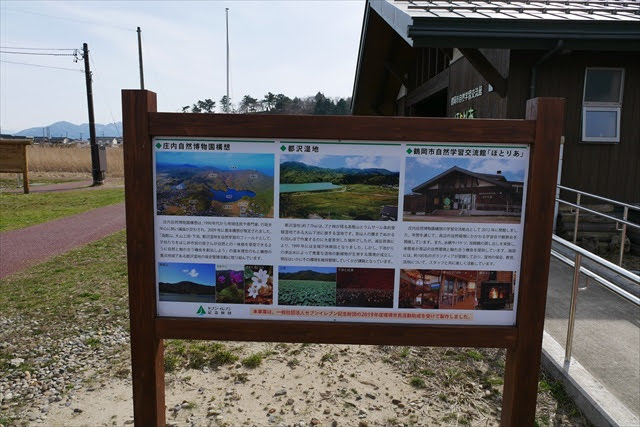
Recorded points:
69,19
42,66
37,53
34,48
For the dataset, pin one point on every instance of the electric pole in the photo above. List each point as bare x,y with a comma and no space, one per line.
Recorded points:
226,12
96,170
140,58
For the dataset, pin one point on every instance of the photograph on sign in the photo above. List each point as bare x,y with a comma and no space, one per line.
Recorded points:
311,231
339,187
464,189
214,184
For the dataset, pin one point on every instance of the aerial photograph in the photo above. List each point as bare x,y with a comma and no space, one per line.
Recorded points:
186,282
339,187
463,190
214,184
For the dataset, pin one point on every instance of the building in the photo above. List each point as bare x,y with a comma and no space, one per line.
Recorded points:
484,59
458,191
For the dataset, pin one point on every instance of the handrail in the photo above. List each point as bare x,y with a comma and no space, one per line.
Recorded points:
577,269
601,280
613,218
604,199
608,264
624,220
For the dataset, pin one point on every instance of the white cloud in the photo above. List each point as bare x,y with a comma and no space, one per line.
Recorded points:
379,162
192,272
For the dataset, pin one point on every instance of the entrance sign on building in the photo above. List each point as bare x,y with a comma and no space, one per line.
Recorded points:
353,230
349,231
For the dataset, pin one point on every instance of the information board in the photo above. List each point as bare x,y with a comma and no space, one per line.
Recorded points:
349,231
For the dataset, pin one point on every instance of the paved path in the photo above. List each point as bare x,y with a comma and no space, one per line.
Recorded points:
32,245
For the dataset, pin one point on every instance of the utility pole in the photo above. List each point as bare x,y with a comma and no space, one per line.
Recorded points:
140,58
226,12
96,171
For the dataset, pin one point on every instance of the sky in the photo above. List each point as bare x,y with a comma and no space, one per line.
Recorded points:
223,161
297,48
392,164
419,169
173,272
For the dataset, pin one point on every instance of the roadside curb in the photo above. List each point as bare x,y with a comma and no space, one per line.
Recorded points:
597,404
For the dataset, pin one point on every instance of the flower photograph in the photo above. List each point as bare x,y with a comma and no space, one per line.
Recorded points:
258,282
230,284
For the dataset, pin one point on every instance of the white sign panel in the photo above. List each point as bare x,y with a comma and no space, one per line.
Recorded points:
339,231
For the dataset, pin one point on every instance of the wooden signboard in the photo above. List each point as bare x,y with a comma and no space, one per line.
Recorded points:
224,212
13,158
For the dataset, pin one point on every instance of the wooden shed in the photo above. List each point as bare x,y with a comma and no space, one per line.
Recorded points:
484,59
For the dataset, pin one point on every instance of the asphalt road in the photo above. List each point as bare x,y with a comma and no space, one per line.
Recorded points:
32,245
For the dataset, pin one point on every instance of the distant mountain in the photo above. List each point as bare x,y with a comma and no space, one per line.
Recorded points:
186,287
301,173
69,130
308,275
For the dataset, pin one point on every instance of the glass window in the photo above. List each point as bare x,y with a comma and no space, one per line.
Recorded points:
603,85
601,104
601,124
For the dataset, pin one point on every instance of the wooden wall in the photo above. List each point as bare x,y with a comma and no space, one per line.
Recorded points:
607,169
464,77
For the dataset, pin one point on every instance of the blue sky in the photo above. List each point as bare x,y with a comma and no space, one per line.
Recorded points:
421,169
224,161
174,272
326,270
344,161
293,47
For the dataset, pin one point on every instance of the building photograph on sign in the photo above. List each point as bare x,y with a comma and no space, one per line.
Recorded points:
310,230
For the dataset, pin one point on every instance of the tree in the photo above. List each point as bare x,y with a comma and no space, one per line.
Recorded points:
206,106
248,104
268,102
226,105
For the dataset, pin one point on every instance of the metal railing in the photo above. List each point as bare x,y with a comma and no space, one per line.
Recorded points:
621,224
578,268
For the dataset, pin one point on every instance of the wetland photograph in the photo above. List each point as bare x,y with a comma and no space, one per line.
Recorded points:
342,187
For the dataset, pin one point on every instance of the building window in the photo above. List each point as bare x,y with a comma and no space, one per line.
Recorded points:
601,104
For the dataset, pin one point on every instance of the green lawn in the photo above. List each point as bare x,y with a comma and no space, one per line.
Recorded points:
22,210
80,283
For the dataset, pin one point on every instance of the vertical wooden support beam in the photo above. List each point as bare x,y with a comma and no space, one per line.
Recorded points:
25,170
147,352
523,361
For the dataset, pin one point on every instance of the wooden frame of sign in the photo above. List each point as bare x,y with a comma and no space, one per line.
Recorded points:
541,130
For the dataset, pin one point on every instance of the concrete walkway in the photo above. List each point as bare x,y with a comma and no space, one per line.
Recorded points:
28,246
607,332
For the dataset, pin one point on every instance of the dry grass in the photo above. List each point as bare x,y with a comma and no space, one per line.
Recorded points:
72,159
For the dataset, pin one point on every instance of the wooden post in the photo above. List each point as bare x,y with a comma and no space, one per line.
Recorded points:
523,361
147,351
25,171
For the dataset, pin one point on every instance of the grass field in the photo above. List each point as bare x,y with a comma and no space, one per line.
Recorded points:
307,293
43,158
82,281
357,201
22,210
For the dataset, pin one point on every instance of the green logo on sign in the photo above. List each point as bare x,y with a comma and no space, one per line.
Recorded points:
408,150
200,311
283,148
158,145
